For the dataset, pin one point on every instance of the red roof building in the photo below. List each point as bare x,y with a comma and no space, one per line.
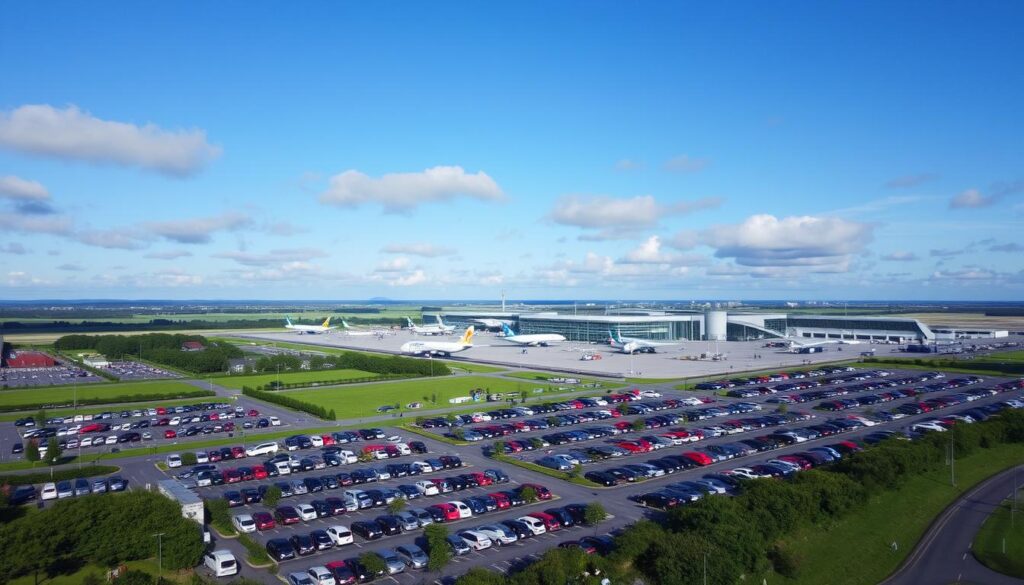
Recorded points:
192,346
30,359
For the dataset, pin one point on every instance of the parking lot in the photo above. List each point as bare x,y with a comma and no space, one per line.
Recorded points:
138,371
54,376
751,417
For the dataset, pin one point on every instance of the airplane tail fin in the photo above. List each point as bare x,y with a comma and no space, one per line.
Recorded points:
344,324
409,322
327,322
506,330
288,320
616,336
467,337
439,321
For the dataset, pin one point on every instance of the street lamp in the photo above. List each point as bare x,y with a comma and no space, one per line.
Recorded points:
159,555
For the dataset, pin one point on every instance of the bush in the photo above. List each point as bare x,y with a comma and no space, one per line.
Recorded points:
528,494
594,514
272,496
438,552
188,458
287,401
256,553
784,561
373,562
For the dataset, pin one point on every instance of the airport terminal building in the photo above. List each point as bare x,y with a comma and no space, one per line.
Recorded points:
711,325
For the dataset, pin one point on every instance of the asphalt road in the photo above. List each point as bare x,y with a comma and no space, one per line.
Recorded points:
943,555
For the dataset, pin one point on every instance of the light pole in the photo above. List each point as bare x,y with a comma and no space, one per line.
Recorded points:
159,555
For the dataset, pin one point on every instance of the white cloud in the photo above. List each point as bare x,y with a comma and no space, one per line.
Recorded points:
971,199
423,249
284,228
399,264
619,217
401,192
76,135
274,257
13,248
19,189
120,239
763,240
199,230
910,181
651,252
168,254
175,277
53,225
70,267
20,278
684,240
417,277
686,164
627,164
900,256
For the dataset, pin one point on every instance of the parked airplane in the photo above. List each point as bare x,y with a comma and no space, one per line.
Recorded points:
441,348
532,339
439,329
310,329
635,345
491,323
350,331
797,343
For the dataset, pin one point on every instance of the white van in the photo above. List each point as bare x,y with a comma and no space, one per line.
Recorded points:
403,449
262,449
222,563
535,525
283,467
347,457
464,511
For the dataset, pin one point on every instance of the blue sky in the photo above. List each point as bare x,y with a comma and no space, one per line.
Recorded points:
598,150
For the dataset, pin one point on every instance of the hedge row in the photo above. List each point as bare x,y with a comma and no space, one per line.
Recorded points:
294,385
197,393
289,402
1011,368
58,475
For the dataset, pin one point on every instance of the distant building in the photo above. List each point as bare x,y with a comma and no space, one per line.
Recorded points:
238,365
96,361
30,359
192,346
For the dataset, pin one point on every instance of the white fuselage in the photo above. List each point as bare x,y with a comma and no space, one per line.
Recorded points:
536,339
635,345
434,347
310,329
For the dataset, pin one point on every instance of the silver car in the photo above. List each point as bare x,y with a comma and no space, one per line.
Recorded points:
412,555
395,565
408,520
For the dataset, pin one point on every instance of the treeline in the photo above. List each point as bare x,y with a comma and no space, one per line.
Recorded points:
160,348
149,397
331,382
743,538
1009,367
289,402
167,324
104,530
349,360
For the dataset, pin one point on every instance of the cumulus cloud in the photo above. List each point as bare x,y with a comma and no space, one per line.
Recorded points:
945,252
284,228
620,217
52,225
423,249
273,257
910,181
176,277
417,277
399,264
402,192
19,189
13,248
119,239
70,267
1008,247
627,164
198,230
73,134
900,256
821,243
686,164
971,199
168,254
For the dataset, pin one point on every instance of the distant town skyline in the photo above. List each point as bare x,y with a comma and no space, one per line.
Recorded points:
564,150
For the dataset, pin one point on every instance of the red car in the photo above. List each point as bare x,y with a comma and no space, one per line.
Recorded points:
629,446
259,472
287,515
328,440
550,522
343,575
170,434
253,412
449,511
93,428
543,493
160,411
237,452
481,479
214,456
231,476
500,500
698,458
264,521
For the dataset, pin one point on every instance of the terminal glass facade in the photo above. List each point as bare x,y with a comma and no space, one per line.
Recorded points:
598,330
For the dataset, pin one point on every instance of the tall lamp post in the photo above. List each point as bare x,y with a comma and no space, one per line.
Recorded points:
159,555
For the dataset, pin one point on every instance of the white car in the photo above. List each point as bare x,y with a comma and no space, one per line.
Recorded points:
175,421
262,449
475,539
422,466
111,440
317,440
650,394
306,512
221,562
321,576
427,488
202,457
536,526
49,491
691,401
498,535
341,535
173,460
244,523
928,426
464,510
274,421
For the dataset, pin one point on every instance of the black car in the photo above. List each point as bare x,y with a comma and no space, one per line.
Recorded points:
377,497
321,539
417,447
367,530
252,496
458,483
335,505
234,498
476,505
329,482
564,517
22,495
601,478
17,448
313,484
514,498
497,475
280,549
389,524
450,461
303,544
520,528
323,509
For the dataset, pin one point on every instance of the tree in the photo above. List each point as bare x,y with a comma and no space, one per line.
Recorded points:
576,471
594,514
433,397
41,418
523,396
528,494
480,576
782,408
373,562
638,425
188,458
396,505
52,451
272,496
32,450
499,447
623,408
439,554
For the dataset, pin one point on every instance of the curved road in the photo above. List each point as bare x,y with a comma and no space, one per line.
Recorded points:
943,554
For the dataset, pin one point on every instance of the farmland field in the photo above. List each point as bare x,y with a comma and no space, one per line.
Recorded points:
293,377
13,399
363,399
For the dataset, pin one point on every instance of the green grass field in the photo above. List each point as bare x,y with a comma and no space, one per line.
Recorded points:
472,367
857,548
1003,356
363,400
999,531
544,377
111,407
12,399
293,378
76,578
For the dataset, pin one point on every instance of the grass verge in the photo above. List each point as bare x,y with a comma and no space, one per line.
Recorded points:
546,471
58,475
999,544
97,393
320,377
858,548
109,408
256,555
78,577
423,433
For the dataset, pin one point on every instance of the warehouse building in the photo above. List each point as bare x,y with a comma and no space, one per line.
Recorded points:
29,359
